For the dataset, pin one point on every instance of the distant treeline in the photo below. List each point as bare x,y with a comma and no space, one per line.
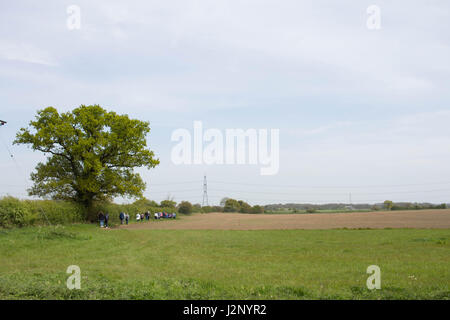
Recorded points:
387,205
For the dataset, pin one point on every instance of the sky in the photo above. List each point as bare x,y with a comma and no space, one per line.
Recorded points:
359,111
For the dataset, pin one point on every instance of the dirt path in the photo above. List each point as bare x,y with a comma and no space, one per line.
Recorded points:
235,221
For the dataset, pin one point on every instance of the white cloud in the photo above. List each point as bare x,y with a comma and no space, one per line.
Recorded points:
25,52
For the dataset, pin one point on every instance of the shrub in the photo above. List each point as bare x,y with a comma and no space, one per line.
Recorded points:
245,207
231,205
185,207
168,204
257,209
311,210
197,208
13,212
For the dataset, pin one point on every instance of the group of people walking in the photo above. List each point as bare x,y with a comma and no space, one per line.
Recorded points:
125,217
143,216
103,218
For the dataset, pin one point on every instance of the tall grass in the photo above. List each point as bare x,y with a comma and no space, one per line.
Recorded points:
15,212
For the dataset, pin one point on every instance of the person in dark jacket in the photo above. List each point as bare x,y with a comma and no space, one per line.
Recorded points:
121,217
106,220
101,218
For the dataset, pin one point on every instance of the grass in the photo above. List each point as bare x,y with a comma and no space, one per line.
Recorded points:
223,264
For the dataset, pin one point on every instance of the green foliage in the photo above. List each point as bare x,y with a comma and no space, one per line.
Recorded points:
18,213
223,201
310,210
92,154
185,207
12,212
231,205
257,209
55,212
15,212
245,207
197,208
388,204
144,202
208,209
168,204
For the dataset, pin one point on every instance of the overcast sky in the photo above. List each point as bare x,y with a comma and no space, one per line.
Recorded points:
359,111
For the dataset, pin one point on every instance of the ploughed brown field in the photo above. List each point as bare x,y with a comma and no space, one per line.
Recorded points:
238,221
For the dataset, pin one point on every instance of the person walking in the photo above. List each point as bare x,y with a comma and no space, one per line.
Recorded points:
121,217
101,218
127,217
106,219
138,217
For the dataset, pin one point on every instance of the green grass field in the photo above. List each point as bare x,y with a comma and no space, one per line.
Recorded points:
221,264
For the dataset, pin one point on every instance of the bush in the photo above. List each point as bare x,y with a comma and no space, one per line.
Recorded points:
185,207
15,212
208,209
168,204
54,212
311,210
257,209
245,207
231,205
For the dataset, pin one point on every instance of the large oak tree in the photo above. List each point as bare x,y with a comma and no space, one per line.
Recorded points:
92,154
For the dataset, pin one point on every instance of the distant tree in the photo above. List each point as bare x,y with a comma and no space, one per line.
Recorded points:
92,154
388,204
257,209
223,201
375,208
207,209
311,210
144,202
168,204
216,209
244,207
231,205
185,207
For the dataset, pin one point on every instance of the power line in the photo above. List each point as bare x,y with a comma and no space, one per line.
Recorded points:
330,194
174,183
330,187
